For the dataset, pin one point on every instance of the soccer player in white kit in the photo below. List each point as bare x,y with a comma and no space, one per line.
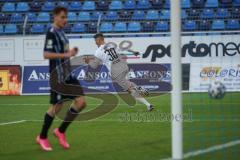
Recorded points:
118,69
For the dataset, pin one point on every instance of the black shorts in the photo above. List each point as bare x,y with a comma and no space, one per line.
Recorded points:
57,98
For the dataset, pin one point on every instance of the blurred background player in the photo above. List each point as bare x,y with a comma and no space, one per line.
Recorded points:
118,69
57,50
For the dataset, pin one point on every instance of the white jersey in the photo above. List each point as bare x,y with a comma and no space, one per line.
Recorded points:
112,59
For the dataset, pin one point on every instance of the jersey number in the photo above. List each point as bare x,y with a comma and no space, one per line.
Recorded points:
112,53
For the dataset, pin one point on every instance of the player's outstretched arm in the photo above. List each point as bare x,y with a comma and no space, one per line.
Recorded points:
136,53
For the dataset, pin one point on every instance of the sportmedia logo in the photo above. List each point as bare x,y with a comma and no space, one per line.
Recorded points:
219,72
194,49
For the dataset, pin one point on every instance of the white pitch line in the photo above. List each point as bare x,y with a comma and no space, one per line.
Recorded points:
45,104
28,104
13,122
209,149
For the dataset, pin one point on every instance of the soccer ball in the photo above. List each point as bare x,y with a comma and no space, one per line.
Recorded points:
216,90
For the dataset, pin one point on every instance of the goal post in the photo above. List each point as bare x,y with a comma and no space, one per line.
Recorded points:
176,95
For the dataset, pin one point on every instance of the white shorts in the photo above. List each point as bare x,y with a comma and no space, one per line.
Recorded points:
123,81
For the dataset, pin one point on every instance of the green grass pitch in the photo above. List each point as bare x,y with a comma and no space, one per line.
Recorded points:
110,137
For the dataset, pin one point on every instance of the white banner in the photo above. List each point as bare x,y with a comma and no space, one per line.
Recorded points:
209,49
201,75
28,50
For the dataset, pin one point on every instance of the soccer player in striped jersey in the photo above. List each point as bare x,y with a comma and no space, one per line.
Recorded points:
56,50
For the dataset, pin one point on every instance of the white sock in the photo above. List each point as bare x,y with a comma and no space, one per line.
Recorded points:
143,101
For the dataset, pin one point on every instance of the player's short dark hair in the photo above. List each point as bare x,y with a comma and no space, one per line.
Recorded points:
98,35
57,10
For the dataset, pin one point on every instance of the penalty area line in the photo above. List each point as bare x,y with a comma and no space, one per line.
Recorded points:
209,149
12,122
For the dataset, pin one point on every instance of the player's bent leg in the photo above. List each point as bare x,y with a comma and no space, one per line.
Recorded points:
79,105
139,89
135,93
132,89
54,109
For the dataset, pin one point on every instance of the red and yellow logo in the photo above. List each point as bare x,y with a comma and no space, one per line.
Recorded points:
4,80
